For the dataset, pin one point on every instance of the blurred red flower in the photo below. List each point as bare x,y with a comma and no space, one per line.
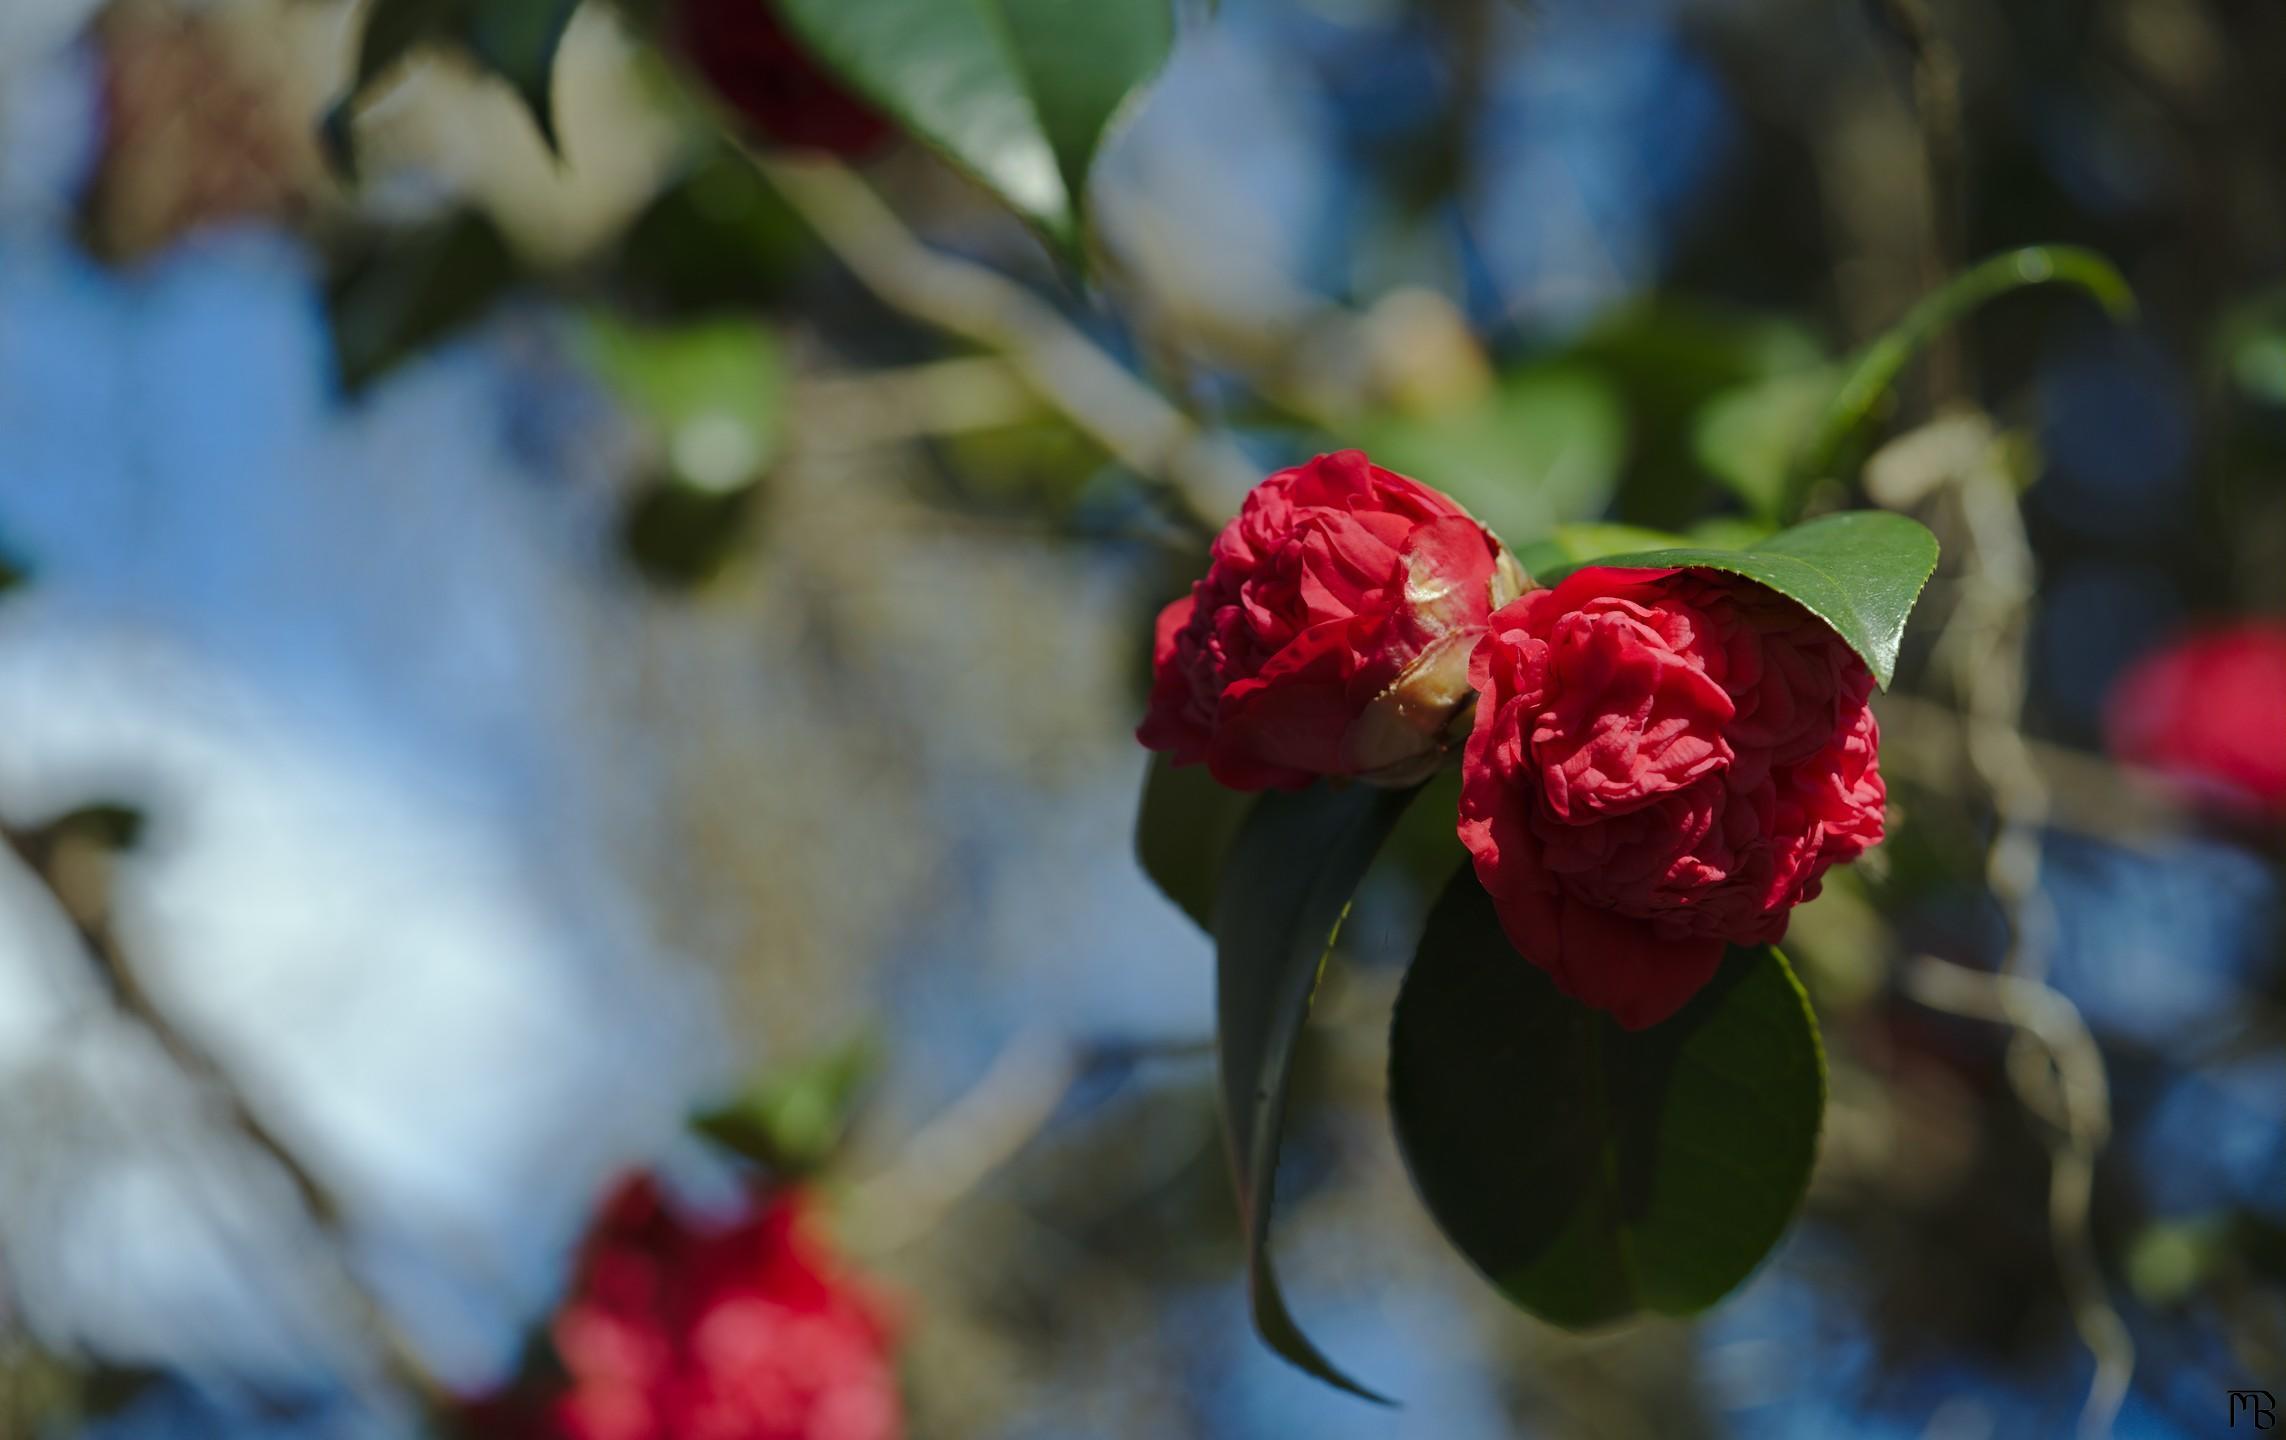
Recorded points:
760,70
1664,762
684,1329
2208,712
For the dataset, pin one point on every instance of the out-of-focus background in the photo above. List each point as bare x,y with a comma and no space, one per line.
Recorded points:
522,650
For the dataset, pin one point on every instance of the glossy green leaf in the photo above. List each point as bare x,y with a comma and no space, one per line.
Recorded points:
1543,447
1183,830
1593,1172
1875,368
1860,572
1016,92
1285,887
516,40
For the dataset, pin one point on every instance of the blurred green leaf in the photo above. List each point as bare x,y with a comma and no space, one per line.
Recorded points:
681,537
1668,358
715,390
516,40
718,237
1589,1171
407,290
1542,447
1875,368
1016,92
1182,832
1860,572
794,1121
1285,887
1751,437
1568,546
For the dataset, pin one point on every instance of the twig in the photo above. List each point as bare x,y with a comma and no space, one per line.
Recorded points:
40,850
1984,646
963,1146
1201,474
2054,1066
1925,743
1936,74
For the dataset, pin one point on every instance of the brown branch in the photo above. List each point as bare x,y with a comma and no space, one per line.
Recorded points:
71,862
1200,473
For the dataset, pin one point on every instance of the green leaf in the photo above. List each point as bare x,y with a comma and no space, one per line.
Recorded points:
1875,368
1593,1172
715,390
1018,93
1285,888
795,1120
516,40
411,289
1543,447
1751,437
1860,572
1183,830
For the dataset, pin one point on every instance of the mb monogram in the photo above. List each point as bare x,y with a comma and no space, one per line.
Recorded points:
2256,1405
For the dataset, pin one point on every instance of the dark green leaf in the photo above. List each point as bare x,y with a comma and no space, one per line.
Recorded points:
517,40
1875,368
1182,832
1285,887
1016,92
514,39
1860,572
411,289
1593,1172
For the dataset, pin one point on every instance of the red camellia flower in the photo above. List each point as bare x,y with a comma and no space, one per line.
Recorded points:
2208,712
1664,762
746,54
1331,633
681,1329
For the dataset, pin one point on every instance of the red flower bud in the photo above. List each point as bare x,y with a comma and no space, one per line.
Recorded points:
1664,762
1331,633
762,72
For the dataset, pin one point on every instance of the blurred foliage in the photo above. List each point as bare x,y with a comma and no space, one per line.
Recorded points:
396,293
515,40
794,1120
1016,92
1544,445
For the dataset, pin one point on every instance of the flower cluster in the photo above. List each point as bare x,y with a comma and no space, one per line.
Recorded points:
684,1329
1658,763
